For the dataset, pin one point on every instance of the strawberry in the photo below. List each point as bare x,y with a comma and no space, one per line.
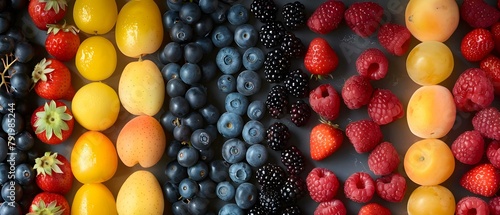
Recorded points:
483,179
491,65
325,101
49,203
394,38
53,173
477,44
327,17
44,12
364,17
320,58
53,122
333,207
478,13
495,32
62,41
324,140
52,79
374,209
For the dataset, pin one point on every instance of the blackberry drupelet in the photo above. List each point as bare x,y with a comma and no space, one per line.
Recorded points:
293,159
277,101
264,10
277,136
294,15
291,210
297,83
257,209
276,66
293,46
270,200
271,177
293,190
271,34
300,112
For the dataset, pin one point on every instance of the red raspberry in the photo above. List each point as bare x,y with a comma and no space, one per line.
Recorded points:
322,184
472,205
491,65
473,90
325,101
494,205
356,92
364,17
374,209
394,38
477,44
495,32
478,13
493,153
359,187
364,135
326,17
383,159
333,207
468,148
391,187
373,64
384,107
487,122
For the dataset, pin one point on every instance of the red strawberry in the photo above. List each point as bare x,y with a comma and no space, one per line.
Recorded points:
478,13
44,12
52,79
373,64
384,107
324,140
472,205
491,65
391,187
394,38
333,207
468,148
473,90
483,179
322,184
364,17
62,42
53,122
374,209
493,153
326,17
495,32
320,58
356,92
359,187
53,173
364,135
477,44
487,121
49,203
384,159
325,101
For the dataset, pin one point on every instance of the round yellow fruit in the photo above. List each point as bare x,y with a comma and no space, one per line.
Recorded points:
91,199
432,20
431,200
140,194
96,106
429,63
95,17
96,58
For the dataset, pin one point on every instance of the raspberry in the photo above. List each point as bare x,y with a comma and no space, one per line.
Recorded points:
478,13
293,190
473,90
322,184
325,101
472,205
364,135
374,209
391,187
373,64
494,205
293,160
333,207
356,92
300,112
487,122
326,17
468,148
359,187
364,17
384,107
384,159
394,38
493,154
277,136
495,32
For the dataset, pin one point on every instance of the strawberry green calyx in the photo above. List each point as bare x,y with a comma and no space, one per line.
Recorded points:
52,120
42,209
55,28
40,71
47,163
56,5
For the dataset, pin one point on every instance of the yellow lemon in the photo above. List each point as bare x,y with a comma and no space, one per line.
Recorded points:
96,58
95,17
93,199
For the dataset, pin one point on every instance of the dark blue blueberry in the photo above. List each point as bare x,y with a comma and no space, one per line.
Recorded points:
240,172
201,139
226,83
206,44
212,130
193,52
231,209
248,82
208,6
18,156
173,148
20,84
190,73
179,106
24,51
253,58
13,208
188,156
225,191
181,32
234,150
174,5
171,53
207,189
171,192
5,100
4,149
196,97
203,27
207,155
228,60
170,71
188,188
19,67
4,172
219,15
237,14
208,70
256,155
246,195
256,110
253,132
175,172
16,32
176,87
198,172
198,206
7,45
210,113
9,188
24,174
218,171
245,36
230,125
170,18
236,103
190,13
13,123
168,121
180,208
182,133
222,36
193,120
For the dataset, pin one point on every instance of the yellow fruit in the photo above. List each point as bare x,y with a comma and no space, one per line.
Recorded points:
430,62
96,58
93,158
95,17
91,199
432,20
431,200
96,106
140,194
139,28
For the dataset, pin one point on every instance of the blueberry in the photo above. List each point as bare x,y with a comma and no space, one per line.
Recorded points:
228,60
222,36
246,195
4,149
218,171
230,124
226,83
9,188
180,208
253,58
173,148
196,97
168,121
231,209
207,189
198,206
182,133
190,13
24,51
210,114
12,208
256,110
219,15
193,120
187,156
233,150
237,14
236,103
207,154
13,123
170,18
172,53
248,82
174,5
7,45
176,87
20,84
256,155
201,139
181,32
18,156
24,141
212,130
240,172
170,71
206,44
24,174
208,6
225,191
203,27
4,173
171,192
179,106
193,52
253,132
208,70
198,172
245,36
5,100
188,188
175,172
190,73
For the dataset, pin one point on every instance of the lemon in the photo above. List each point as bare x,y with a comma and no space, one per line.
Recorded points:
96,58
93,199
95,17
96,106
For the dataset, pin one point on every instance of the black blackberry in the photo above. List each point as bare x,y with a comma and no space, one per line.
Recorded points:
300,112
293,190
271,34
270,176
277,136
270,200
264,10
291,210
277,101
293,46
294,15
293,160
297,83
257,209
276,66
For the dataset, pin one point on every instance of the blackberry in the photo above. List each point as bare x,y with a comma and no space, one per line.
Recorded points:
277,136
271,34
270,200
294,15
277,101
293,160
300,113
257,209
276,66
293,190
293,46
291,210
270,176
297,83
264,10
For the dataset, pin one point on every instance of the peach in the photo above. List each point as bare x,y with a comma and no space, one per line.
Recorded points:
431,111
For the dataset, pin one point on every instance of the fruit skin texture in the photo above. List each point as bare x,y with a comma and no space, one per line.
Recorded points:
53,173
364,135
394,38
477,44
373,64
325,101
320,59
483,179
327,17
359,187
473,90
41,17
391,187
333,207
429,63
374,209
96,58
431,111
140,194
47,198
384,107
95,17
436,199
491,65
322,184
487,122
494,205
493,154
52,79
468,148
364,17
93,198
53,116
356,92
139,28
478,13
432,20
324,140
472,204
384,159
62,42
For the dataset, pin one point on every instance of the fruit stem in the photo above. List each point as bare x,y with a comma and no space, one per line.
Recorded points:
6,66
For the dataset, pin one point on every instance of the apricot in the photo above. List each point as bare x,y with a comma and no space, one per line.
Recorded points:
432,19
431,111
